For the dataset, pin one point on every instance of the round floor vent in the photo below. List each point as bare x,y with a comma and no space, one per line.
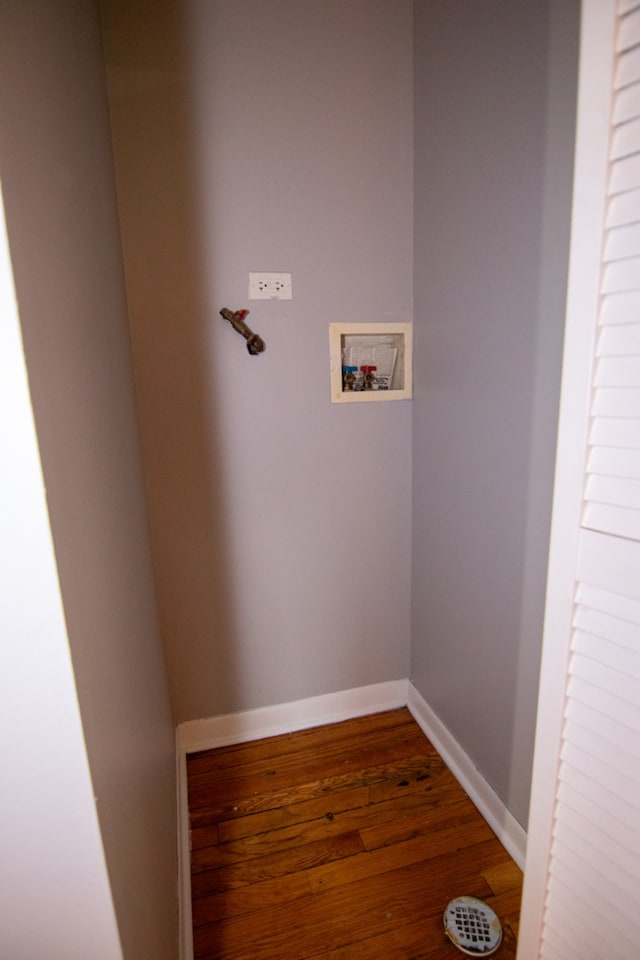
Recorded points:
472,926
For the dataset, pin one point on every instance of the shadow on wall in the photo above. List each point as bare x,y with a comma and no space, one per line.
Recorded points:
167,259
557,190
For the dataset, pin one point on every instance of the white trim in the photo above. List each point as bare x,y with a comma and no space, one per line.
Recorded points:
509,832
185,925
286,717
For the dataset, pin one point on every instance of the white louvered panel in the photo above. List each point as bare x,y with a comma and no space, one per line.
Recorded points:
554,945
626,140
621,275
592,858
618,521
604,652
577,922
612,402
620,307
576,932
607,677
604,858
592,904
585,887
574,937
589,865
571,937
623,242
624,6
575,944
622,711
618,341
612,933
619,759
629,31
591,720
580,895
607,640
625,174
597,794
625,207
618,372
616,491
615,604
610,564
614,432
614,462
628,68
627,103
593,627
599,771
612,491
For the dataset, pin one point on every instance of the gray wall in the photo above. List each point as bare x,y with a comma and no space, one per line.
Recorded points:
57,177
494,112
267,136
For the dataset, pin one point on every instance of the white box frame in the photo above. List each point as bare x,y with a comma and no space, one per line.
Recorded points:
404,362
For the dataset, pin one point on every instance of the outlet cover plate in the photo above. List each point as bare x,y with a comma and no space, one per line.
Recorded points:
270,286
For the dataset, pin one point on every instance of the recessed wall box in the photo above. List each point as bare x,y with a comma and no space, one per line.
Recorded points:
370,361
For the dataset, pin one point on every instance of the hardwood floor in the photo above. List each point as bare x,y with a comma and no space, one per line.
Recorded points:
344,842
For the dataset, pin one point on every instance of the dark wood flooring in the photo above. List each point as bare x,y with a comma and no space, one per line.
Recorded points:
343,842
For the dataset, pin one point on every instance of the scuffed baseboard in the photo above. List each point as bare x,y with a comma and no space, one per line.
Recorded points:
509,832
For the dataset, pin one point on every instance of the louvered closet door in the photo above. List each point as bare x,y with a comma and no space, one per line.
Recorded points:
613,487
593,894
589,907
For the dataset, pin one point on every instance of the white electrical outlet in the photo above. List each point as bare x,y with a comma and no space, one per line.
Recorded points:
270,286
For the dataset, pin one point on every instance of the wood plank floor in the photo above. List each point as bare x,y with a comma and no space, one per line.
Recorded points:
343,842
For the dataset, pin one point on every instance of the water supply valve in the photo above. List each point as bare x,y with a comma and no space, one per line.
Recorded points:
255,344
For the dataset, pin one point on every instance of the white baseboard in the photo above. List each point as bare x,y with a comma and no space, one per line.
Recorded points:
286,717
509,832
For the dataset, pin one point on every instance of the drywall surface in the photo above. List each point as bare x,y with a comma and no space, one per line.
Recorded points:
56,900
249,137
494,123
55,163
